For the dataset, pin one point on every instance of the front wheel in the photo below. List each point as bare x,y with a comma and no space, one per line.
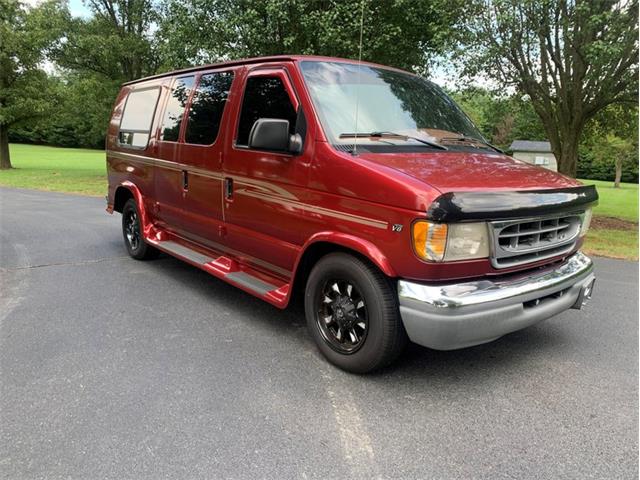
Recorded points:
132,233
352,314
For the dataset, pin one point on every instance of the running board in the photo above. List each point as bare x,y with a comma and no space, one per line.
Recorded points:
267,287
178,250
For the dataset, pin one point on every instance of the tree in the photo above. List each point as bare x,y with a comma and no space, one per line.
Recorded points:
611,142
116,43
502,118
402,33
572,58
25,36
71,123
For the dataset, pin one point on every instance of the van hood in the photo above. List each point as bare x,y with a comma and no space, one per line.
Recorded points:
463,171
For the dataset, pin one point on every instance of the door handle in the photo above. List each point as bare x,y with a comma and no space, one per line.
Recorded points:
228,188
185,180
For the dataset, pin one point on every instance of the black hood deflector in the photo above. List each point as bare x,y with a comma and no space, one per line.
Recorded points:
473,206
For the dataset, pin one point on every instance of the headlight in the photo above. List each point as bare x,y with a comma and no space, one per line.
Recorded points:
466,241
437,242
586,222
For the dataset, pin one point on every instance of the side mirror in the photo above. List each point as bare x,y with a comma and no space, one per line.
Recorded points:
273,134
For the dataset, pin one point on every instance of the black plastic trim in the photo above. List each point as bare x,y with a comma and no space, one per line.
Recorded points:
473,206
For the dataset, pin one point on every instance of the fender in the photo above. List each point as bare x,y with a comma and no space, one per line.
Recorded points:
364,247
148,230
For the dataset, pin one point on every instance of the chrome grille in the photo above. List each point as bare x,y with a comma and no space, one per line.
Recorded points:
516,242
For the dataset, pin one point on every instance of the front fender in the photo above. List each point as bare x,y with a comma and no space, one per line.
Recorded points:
352,242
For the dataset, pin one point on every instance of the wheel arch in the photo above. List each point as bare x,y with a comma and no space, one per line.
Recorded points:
123,193
325,243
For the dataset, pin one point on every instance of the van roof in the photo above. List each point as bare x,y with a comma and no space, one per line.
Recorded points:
249,61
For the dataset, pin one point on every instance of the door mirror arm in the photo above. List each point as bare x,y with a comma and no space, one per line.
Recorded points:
295,144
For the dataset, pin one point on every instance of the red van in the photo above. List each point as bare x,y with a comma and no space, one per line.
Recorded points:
362,187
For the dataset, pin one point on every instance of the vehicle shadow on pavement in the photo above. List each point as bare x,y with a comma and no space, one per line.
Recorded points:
499,356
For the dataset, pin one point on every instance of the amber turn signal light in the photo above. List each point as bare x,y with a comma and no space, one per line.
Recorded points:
429,240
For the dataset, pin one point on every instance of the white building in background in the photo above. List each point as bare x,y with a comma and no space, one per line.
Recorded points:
537,153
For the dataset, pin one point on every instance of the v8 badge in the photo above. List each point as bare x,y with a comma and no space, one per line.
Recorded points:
396,227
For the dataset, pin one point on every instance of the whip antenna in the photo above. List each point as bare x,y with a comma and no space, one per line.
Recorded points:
355,130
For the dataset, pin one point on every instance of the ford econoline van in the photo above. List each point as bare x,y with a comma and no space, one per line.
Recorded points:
360,187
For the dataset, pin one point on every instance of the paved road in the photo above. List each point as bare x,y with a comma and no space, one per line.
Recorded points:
113,368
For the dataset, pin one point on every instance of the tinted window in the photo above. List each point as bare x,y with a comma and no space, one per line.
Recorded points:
175,109
264,97
137,117
206,108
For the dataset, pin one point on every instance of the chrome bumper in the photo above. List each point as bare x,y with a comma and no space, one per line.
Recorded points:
458,315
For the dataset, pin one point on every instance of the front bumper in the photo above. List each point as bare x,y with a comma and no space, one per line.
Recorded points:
458,315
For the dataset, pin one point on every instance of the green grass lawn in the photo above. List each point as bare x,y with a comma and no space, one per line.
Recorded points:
614,243
621,240
83,171
616,202
72,170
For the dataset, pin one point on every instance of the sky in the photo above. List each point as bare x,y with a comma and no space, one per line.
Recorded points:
77,8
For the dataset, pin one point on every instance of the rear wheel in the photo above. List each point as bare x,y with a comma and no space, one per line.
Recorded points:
132,233
352,313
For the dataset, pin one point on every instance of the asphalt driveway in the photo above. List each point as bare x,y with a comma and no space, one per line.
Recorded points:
114,368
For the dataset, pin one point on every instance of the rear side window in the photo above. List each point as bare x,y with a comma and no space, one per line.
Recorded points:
207,107
175,109
264,97
137,117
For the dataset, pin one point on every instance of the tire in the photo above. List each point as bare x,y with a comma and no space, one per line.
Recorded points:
342,294
132,233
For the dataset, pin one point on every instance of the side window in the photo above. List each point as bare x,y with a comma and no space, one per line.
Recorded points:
137,117
175,109
264,97
206,108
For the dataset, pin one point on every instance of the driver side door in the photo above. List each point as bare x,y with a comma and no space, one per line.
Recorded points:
260,187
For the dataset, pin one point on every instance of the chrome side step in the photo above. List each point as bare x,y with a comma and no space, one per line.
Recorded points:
250,282
185,252
270,288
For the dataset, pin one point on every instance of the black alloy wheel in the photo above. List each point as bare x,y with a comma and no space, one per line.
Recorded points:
352,313
342,315
132,233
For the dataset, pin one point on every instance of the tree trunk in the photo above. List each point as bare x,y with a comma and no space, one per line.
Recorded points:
5,159
616,183
568,159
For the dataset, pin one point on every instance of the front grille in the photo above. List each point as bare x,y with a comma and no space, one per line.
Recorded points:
517,242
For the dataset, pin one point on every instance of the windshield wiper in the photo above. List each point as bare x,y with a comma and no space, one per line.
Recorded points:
463,138
394,135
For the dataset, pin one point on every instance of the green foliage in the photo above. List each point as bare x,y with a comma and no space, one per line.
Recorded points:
599,163
116,42
71,123
501,118
99,53
25,37
402,33
611,137
572,59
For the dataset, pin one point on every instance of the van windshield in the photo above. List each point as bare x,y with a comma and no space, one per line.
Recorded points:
387,101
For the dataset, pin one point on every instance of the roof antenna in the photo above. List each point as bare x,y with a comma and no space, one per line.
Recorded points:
354,152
